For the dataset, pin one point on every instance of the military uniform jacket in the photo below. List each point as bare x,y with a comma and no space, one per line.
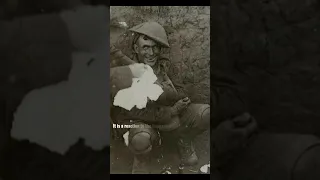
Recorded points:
158,112
225,99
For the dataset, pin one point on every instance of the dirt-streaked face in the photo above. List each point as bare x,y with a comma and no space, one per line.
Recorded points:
148,50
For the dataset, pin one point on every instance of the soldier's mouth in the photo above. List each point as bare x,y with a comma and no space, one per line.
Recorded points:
151,60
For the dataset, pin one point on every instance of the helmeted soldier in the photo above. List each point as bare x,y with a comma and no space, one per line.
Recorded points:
285,156
172,112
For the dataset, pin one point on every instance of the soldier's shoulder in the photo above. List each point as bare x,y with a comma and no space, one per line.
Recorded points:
164,64
164,61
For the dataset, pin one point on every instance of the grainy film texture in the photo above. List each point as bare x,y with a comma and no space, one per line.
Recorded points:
160,88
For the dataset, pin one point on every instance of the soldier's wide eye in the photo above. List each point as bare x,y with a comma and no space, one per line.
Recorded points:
156,48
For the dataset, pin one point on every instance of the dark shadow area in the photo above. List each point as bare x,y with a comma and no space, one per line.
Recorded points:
36,52
18,8
271,48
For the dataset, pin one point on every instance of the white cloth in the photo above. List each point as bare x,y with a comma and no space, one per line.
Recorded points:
205,168
141,90
126,138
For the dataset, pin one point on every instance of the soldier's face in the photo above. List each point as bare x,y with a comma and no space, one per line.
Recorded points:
148,50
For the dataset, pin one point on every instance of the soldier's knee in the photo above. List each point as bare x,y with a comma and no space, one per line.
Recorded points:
198,116
205,116
307,167
141,142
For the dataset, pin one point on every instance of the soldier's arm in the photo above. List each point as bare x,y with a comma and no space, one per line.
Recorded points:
118,58
170,94
226,102
150,115
120,78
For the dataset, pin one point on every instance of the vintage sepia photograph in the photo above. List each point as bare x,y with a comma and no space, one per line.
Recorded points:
160,89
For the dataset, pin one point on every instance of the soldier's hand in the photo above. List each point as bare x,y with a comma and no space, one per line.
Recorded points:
232,135
138,69
181,105
247,122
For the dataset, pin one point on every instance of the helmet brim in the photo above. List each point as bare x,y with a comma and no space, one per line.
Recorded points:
154,39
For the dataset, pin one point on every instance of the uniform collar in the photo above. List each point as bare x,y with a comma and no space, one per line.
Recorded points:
155,68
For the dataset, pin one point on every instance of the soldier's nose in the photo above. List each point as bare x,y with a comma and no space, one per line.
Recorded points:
150,52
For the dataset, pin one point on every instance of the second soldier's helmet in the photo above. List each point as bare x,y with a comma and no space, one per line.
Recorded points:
154,31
